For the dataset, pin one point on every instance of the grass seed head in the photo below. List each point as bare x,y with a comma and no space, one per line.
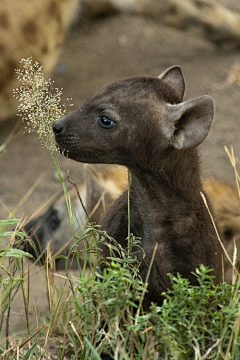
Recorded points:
39,102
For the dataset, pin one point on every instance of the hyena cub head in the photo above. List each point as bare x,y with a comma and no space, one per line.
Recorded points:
100,187
53,229
133,121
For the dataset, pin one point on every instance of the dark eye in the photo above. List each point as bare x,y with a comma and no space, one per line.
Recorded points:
228,234
105,122
54,221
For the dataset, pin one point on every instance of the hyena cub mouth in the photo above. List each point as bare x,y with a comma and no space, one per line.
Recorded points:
62,151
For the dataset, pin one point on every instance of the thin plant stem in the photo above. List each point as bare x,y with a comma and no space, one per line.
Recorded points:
129,215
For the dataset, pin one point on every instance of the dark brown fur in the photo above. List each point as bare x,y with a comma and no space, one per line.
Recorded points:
155,135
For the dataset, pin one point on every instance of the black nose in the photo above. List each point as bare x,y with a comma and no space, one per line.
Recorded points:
58,127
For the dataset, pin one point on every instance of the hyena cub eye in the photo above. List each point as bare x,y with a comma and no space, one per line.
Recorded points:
105,122
228,234
54,221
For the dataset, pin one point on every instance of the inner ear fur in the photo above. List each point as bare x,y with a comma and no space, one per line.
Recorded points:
173,77
188,123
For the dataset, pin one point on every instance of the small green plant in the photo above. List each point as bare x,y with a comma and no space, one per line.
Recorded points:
194,322
11,276
199,321
39,105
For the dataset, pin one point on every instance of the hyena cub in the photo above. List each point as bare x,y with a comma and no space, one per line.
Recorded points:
98,190
144,124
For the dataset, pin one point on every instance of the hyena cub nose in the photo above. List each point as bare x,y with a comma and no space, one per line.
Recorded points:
58,127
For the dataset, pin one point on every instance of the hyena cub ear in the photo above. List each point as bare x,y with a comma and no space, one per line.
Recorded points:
187,124
173,77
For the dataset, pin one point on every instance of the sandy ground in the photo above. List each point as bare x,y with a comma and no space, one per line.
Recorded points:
100,52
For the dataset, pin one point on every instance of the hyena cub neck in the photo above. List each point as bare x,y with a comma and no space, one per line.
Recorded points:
144,124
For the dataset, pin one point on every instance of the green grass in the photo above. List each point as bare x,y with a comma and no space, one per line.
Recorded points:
103,314
96,313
